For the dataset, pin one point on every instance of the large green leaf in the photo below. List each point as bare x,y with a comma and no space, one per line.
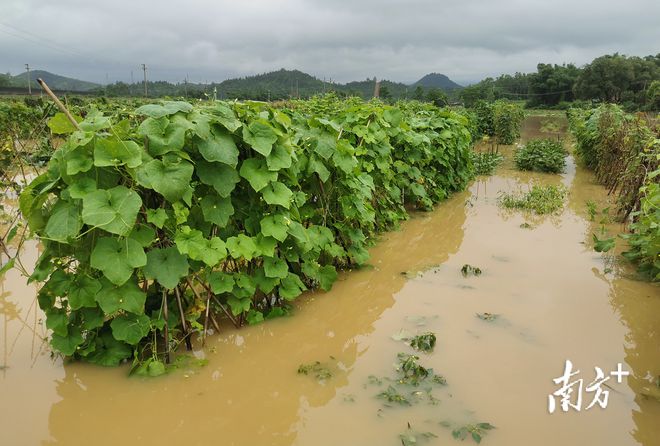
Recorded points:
114,210
68,344
157,216
129,297
242,246
117,258
217,210
162,136
109,351
130,328
275,267
57,321
220,147
256,172
291,287
239,305
65,222
165,109
280,157
60,124
260,135
78,160
276,226
115,152
225,116
83,291
221,282
169,177
220,176
277,193
167,265
193,243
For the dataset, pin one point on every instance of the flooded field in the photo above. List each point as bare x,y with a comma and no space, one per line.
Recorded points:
551,297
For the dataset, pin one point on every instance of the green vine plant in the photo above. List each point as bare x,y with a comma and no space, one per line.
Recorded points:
161,221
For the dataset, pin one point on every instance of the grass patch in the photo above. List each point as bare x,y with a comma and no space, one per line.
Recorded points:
540,199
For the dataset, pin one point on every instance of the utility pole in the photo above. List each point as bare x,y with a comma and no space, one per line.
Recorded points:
144,68
27,68
130,87
185,86
376,88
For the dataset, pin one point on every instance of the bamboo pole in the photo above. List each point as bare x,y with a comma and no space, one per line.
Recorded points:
59,103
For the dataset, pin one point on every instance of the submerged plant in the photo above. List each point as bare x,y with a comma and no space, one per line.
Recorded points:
539,199
485,163
411,437
476,431
541,155
424,342
603,245
392,395
315,369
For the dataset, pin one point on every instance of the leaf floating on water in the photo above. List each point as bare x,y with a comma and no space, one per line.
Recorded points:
469,269
411,437
420,321
402,335
489,317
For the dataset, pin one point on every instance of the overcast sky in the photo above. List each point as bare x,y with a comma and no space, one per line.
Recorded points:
212,40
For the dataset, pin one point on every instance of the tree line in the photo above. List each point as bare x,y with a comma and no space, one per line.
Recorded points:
633,82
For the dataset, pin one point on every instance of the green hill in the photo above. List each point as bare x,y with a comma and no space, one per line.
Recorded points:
437,80
279,84
54,81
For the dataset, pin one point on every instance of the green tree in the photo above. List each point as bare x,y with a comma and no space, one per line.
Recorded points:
385,93
5,80
437,97
653,96
617,78
552,84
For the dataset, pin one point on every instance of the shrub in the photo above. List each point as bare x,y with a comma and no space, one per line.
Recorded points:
541,155
507,117
485,162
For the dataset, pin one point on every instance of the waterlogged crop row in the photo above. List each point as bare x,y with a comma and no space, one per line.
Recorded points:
156,224
624,152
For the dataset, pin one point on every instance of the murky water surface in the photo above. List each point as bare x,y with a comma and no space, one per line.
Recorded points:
555,298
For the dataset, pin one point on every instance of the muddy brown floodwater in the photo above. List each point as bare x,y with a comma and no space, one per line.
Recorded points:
556,299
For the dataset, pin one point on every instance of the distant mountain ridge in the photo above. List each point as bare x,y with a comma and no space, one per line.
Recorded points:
54,81
274,85
437,80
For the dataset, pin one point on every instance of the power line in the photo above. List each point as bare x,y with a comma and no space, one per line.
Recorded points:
535,94
39,41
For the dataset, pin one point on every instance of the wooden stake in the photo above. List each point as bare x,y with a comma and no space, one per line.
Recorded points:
59,103
167,334
184,325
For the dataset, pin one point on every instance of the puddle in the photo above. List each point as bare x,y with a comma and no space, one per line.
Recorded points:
551,292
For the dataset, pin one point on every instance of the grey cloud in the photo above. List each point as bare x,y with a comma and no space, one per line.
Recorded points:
343,40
